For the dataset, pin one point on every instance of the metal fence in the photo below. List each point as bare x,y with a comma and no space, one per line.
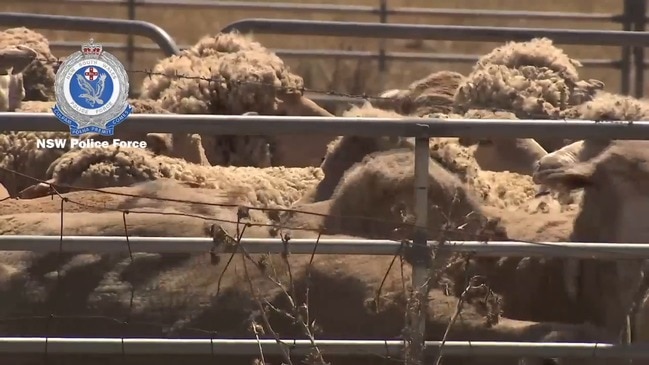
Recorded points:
632,18
626,39
422,130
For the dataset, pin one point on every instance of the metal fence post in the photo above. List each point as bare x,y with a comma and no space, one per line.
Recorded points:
420,259
383,18
639,25
625,65
130,43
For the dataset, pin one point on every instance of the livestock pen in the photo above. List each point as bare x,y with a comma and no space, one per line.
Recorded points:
422,130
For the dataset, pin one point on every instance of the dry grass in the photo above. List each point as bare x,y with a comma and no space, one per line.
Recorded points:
187,25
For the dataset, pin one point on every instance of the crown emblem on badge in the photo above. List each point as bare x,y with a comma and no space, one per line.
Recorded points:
91,49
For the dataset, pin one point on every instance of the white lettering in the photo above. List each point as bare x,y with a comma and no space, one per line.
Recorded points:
132,144
51,143
61,143
88,143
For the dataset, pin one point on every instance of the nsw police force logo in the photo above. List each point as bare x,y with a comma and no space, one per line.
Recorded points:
91,91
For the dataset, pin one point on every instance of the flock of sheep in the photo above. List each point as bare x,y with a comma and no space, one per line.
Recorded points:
341,186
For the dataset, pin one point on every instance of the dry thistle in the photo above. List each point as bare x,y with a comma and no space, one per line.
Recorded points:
257,329
285,250
221,239
243,213
262,264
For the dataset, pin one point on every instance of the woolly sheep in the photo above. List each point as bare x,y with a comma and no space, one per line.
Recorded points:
615,195
39,74
534,80
247,78
531,79
158,287
432,94
495,188
19,152
112,166
13,61
505,154
180,145
380,187
603,107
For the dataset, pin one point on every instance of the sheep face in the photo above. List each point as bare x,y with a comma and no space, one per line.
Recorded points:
615,202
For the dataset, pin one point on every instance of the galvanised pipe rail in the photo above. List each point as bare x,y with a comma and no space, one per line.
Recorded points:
158,346
338,54
88,24
354,9
437,32
305,246
369,127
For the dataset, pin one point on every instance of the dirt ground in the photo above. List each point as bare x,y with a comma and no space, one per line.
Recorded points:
187,24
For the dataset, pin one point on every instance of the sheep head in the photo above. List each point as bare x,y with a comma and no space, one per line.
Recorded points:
13,60
296,104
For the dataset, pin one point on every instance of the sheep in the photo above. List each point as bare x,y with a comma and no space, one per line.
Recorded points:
236,75
432,94
18,149
534,80
13,62
21,155
380,187
114,166
39,74
543,275
182,287
501,189
615,195
344,151
179,145
603,107
504,154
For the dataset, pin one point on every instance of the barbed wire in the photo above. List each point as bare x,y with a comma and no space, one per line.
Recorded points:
149,73
487,233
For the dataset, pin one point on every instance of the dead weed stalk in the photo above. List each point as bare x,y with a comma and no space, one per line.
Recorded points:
297,313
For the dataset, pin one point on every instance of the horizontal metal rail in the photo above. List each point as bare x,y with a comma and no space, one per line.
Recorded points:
338,54
437,32
155,346
305,246
353,9
371,127
88,24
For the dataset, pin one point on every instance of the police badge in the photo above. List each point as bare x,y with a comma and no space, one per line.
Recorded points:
91,91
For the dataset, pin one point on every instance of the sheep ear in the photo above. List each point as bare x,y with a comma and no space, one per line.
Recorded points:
575,177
